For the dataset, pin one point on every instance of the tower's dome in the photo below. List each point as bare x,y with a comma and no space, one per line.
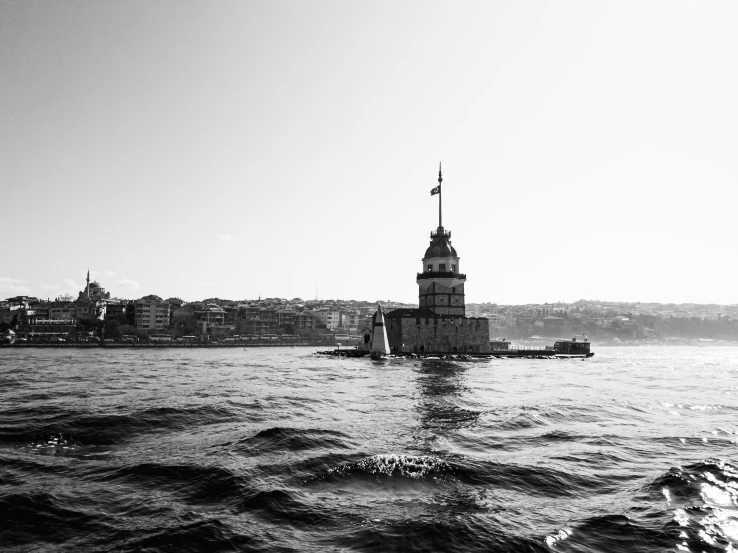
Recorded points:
441,250
440,245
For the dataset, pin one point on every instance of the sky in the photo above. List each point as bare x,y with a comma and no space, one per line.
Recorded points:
239,149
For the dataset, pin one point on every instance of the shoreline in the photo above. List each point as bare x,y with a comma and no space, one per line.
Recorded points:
158,345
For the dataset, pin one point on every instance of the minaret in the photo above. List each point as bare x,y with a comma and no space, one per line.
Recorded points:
441,285
88,284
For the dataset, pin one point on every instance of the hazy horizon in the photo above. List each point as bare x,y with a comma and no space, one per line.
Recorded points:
238,149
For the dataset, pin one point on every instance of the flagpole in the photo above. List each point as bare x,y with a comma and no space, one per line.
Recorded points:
440,179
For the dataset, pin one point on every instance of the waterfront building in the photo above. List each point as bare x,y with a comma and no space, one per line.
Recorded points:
152,312
267,313
17,309
183,312
350,320
553,322
39,312
62,311
85,309
47,328
328,318
217,330
231,314
248,310
175,302
305,320
211,315
440,324
285,317
4,313
116,312
22,300
255,325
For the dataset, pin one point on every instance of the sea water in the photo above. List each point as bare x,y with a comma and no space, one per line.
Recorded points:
283,450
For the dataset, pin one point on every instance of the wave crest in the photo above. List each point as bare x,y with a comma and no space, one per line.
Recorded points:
404,466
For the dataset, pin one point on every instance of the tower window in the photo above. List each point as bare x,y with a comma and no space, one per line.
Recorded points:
453,268
430,268
442,267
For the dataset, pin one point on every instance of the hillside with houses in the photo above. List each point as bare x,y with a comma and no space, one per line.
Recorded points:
612,321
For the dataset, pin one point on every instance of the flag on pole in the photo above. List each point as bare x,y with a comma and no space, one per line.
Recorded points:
436,190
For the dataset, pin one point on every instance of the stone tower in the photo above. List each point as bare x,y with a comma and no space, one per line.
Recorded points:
441,285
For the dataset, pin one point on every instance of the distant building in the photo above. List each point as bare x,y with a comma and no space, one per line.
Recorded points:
267,313
47,328
175,302
328,318
152,312
305,320
523,320
231,314
183,312
63,311
497,320
5,313
255,325
39,312
22,300
285,317
85,310
219,330
351,321
210,315
116,312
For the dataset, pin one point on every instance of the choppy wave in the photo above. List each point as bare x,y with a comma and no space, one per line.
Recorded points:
704,497
397,466
289,439
282,451
32,425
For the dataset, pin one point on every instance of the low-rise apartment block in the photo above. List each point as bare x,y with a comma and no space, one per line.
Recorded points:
152,312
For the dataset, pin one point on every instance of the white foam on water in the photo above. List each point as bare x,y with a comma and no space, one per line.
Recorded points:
406,465
562,534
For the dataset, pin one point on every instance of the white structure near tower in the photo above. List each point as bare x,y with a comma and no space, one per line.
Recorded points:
380,343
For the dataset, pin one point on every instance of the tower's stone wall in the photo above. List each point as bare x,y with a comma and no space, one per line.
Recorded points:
419,331
443,300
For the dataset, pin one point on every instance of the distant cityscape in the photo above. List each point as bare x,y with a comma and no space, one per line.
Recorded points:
216,318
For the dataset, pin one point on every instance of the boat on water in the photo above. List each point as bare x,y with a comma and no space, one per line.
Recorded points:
574,346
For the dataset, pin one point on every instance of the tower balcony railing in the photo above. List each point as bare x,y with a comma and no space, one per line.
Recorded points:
445,233
441,274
